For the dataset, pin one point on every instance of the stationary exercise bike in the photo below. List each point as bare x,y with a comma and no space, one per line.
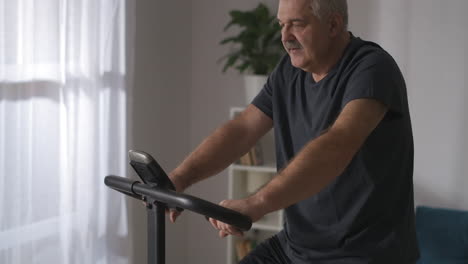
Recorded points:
157,190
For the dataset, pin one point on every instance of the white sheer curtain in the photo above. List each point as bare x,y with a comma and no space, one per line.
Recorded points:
63,88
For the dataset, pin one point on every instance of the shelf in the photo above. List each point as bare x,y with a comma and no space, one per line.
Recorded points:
266,168
244,180
265,227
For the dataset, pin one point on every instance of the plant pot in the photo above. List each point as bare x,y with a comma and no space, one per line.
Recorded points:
253,84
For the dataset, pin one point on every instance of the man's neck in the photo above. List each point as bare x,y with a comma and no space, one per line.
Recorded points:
336,53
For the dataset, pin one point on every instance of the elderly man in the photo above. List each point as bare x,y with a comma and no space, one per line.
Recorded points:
344,146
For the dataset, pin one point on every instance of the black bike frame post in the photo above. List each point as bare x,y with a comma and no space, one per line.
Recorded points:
157,199
156,232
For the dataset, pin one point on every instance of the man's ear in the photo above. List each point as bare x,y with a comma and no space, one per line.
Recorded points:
335,24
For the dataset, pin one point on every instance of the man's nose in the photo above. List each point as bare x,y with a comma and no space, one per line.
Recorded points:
286,34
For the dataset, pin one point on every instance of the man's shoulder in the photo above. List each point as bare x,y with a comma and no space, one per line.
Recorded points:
367,53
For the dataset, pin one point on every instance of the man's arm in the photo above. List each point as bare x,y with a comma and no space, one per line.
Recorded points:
315,166
224,146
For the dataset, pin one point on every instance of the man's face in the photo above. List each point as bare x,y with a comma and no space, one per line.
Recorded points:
304,37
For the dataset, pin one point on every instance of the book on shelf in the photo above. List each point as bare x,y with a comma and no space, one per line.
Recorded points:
243,247
253,157
245,159
256,154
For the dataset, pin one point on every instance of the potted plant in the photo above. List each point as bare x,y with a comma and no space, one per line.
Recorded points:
256,49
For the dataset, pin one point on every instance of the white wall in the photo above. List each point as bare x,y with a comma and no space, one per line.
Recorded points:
428,38
160,104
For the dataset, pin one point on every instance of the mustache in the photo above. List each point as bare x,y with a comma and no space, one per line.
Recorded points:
292,44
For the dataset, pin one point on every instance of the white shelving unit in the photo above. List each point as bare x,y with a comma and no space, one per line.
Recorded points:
243,181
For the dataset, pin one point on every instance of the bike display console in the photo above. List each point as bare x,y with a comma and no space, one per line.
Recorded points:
159,193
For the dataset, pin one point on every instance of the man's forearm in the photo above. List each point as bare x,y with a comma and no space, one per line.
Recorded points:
306,175
215,153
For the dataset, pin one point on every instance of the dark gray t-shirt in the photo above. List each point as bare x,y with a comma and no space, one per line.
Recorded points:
366,215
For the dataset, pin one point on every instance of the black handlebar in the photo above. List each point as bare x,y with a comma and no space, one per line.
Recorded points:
138,190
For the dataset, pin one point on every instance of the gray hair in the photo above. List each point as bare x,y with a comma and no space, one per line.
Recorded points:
323,8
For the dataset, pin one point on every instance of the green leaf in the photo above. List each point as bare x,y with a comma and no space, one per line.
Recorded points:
231,39
257,45
230,62
243,66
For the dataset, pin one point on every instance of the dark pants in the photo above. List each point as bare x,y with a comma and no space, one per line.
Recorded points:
267,252
270,252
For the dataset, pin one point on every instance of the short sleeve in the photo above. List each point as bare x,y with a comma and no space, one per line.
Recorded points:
377,76
264,100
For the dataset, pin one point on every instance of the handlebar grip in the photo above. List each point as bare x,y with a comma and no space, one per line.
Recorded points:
180,200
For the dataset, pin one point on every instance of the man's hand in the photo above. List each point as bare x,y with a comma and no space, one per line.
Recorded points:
172,212
179,187
248,207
